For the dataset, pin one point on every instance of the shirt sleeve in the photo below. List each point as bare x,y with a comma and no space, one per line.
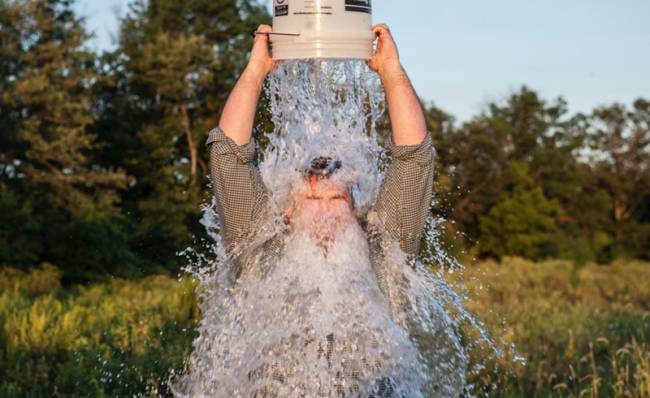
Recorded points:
238,187
405,195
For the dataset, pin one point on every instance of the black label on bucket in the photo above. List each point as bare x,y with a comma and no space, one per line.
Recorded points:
281,9
358,6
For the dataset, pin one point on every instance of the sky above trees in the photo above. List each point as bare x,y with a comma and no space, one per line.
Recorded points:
462,55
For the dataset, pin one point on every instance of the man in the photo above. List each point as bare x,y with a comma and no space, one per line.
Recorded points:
323,211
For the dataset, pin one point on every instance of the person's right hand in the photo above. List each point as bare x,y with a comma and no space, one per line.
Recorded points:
260,60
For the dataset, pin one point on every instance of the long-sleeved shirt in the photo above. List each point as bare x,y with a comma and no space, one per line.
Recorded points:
398,215
402,205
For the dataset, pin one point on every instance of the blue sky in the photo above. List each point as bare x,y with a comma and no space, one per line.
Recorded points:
465,53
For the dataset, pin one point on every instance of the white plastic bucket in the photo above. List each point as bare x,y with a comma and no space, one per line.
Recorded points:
322,29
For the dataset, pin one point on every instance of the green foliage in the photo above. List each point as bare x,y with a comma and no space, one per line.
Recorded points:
46,98
19,229
582,332
161,92
620,145
102,168
49,180
109,339
101,161
482,157
88,246
525,178
521,225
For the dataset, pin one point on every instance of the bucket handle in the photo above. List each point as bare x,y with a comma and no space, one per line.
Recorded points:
275,34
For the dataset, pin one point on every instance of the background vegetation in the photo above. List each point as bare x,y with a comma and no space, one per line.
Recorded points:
116,338
584,332
102,167
102,173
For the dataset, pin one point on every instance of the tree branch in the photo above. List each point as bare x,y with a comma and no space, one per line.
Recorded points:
191,144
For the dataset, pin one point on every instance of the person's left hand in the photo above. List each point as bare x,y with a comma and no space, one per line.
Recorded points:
386,55
260,60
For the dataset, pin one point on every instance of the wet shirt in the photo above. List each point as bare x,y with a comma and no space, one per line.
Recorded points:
397,218
401,208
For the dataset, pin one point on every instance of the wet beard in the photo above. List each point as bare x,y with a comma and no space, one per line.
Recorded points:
320,222
320,323
315,325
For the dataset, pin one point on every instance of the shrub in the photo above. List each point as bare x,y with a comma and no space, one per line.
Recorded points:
584,331
572,325
118,338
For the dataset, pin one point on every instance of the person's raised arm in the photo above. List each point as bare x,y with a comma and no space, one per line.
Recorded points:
239,113
406,116
239,191
405,195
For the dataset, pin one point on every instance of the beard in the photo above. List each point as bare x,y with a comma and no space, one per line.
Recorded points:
320,222
317,324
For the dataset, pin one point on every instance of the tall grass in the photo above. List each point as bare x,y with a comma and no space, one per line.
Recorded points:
584,332
111,339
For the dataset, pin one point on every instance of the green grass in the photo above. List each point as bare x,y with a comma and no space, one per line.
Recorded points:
111,339
585,332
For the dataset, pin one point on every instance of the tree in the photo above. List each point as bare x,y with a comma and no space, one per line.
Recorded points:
441,127
480,163
46,99
480,155
49,178
523,222
620,160
161,92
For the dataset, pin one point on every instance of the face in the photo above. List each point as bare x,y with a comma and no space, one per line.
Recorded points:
322,209
324,190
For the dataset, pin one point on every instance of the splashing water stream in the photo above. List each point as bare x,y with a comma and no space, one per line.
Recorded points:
308,317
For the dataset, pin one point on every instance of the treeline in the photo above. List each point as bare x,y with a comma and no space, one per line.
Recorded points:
102,167
526,178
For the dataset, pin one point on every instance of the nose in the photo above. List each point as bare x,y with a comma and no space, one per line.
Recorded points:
313,182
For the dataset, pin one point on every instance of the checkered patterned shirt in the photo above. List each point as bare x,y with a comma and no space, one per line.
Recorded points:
402,205
398,215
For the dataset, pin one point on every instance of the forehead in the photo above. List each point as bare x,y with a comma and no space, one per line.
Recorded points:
325,183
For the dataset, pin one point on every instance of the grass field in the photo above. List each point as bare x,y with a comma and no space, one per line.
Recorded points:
113,339
585,332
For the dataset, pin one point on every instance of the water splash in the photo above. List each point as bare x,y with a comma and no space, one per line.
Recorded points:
307,316
324,108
